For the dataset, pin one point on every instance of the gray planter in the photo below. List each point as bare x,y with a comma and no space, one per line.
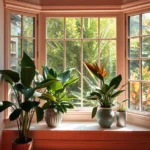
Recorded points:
121,118
52,118
105,117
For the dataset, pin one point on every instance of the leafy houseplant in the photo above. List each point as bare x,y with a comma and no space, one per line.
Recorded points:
106,94
59,100
26,103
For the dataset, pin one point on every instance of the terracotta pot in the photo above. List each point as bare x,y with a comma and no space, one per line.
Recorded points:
22,146
52,118
105,117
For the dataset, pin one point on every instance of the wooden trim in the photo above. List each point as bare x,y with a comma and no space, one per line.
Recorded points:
90,140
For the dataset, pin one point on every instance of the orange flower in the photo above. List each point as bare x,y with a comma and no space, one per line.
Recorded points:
96,70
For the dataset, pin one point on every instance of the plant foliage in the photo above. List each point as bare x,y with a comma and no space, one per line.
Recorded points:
25,105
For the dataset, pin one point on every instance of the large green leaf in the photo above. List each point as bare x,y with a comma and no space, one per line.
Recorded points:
4,105
10,76
15,114
46,106
117,93
46,73
27,106
56,86
115,81
94,111
110,90
105,88
65,76
71,81
39,114
45,84
48,96
27,70
28,92
19,87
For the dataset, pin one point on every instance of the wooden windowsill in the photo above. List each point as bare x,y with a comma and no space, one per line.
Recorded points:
85,126
81,136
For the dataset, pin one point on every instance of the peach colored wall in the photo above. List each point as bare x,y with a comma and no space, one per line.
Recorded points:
36,2
1,61
129,1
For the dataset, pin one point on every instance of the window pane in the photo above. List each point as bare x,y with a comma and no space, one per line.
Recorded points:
146,70
90,55
28,26
15,65
29,47
134,25
73,27
146,47
90,27
107,28
55,27
55,55
108,57
134,95
146,23
73,51
15,48
134,48
134,70
146,97
15,25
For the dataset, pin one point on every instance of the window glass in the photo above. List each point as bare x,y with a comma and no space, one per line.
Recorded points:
139,62
72,40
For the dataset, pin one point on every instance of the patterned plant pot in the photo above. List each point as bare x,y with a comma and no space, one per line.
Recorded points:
105,117
52,118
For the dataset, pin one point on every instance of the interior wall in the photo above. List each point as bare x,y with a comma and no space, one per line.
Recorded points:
129,1
1,62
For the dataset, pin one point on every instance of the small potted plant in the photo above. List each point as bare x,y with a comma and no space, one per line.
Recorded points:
60,99
26,100
121,114
104,96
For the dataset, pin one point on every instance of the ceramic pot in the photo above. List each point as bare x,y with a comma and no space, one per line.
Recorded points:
121,118
52,118
16,145
105,117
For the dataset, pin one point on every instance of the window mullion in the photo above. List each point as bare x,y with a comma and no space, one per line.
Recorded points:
81,55
98,46
64,43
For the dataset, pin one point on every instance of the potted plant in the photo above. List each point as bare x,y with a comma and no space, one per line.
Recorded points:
61,99
26,103
121,114
105,95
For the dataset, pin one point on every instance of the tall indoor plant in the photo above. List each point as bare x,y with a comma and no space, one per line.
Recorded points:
61,98
105,95
26,103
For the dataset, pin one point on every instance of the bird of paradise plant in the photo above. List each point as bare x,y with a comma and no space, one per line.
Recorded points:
106,94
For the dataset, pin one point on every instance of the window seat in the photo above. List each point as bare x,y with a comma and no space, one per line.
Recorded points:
83,135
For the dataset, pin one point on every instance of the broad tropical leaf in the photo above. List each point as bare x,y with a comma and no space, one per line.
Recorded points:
15,114
94,111
10,76
115,81
39,114
4,105
27,70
